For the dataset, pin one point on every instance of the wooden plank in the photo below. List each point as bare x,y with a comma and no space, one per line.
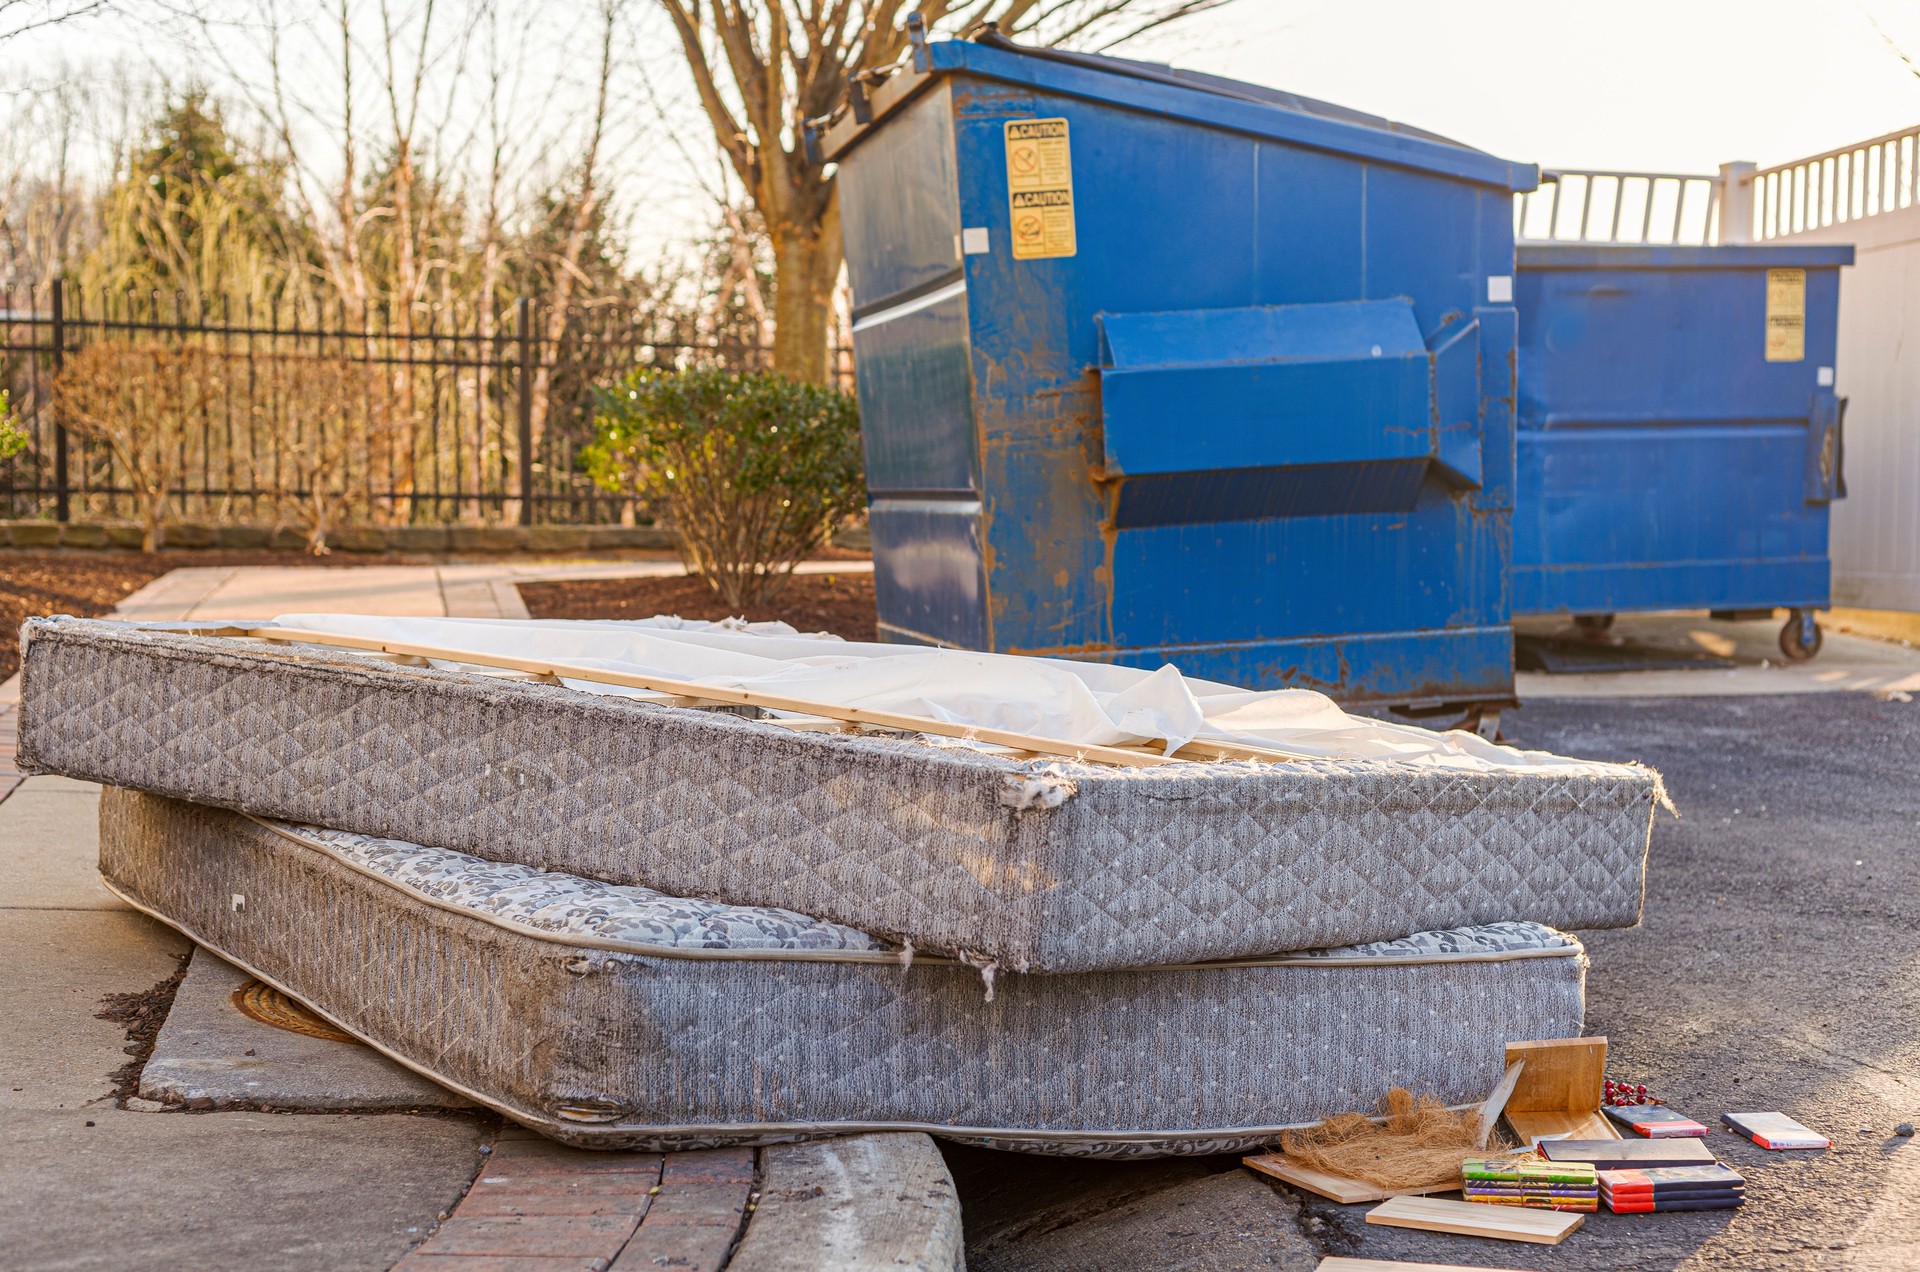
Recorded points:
1564,1075
1474,1219
1497,1101
1558,1095
719,693
1583,1126
1338,1188
1339,1263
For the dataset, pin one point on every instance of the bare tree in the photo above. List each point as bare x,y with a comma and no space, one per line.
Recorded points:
17,17
583,202
762,68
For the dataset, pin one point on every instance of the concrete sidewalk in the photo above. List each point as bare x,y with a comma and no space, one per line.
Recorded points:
398,591
90,1185
1855,657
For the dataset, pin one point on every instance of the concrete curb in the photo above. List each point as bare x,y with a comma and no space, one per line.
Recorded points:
863,1203
209,1053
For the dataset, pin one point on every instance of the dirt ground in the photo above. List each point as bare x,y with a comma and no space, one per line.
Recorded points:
88,583
838,603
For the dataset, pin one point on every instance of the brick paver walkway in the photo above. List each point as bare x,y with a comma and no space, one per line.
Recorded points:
539,1207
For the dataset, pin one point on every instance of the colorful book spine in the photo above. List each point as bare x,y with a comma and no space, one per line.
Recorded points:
1583,1205
1640,1206
1529,1172
1529,1190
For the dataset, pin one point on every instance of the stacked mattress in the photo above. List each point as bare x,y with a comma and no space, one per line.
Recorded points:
628,924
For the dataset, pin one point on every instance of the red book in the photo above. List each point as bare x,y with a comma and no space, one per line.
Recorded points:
1671,1181
1655,1121
1774,1130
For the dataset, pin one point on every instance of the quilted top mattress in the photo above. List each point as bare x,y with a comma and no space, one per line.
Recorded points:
620,1017
1025,865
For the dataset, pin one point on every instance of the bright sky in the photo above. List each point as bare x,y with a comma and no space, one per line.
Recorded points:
1669,85
1649,85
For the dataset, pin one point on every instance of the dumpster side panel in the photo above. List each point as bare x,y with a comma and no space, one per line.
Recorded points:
1664,462
900,216
899,206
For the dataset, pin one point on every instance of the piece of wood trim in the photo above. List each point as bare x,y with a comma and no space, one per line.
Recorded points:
1477,1219
1497,1102
1340,1263
1208,749
1058,747
1348,1192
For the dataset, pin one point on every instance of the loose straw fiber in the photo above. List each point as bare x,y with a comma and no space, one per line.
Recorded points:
1421,1142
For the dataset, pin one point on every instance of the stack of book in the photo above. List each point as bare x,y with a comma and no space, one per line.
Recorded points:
1537,1184
1672,1188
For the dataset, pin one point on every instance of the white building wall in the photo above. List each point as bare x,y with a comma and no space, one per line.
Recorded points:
1876,528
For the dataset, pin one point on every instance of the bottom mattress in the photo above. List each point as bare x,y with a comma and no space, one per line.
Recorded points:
616,1017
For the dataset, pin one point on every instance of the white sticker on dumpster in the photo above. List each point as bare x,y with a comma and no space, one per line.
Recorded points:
1040,188
1786,315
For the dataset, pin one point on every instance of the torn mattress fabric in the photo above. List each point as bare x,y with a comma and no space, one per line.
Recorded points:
619,1017
1024,864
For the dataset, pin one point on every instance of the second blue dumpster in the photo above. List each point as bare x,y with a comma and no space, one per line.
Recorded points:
1679,437
1158,367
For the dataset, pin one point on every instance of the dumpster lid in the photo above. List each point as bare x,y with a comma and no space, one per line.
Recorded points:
1167,73
1161,89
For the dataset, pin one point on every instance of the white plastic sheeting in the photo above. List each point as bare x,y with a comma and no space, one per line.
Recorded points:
1090,703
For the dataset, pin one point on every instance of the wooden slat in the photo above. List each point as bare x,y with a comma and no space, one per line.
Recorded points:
1497,1102
1206,749
1475,1219
1338,1188
1537,1126
720,693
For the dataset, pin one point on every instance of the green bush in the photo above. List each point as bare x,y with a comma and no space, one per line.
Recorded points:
754,470
12,440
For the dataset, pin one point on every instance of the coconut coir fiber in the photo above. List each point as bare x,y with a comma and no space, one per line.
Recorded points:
1419,1142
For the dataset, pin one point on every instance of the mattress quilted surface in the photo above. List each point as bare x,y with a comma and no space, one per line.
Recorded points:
616,1016
1022,864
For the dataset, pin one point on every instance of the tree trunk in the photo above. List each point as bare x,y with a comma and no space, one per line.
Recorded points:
806,263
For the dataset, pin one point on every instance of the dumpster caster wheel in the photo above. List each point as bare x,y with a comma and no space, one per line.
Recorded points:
1800,638
1593,624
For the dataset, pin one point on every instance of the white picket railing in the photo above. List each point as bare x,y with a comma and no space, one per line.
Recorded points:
1848,184
1619,207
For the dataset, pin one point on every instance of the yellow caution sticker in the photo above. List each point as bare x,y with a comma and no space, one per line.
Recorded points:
1786,315
1040,188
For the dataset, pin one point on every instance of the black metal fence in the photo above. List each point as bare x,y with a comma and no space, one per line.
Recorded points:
472,418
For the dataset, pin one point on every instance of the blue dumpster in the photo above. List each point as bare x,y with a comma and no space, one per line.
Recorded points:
1679,438
1158,367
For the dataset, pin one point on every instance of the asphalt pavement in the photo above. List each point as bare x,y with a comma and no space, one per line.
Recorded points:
1778,967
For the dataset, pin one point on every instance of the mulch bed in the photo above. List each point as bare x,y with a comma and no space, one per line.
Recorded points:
88,584
838,603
